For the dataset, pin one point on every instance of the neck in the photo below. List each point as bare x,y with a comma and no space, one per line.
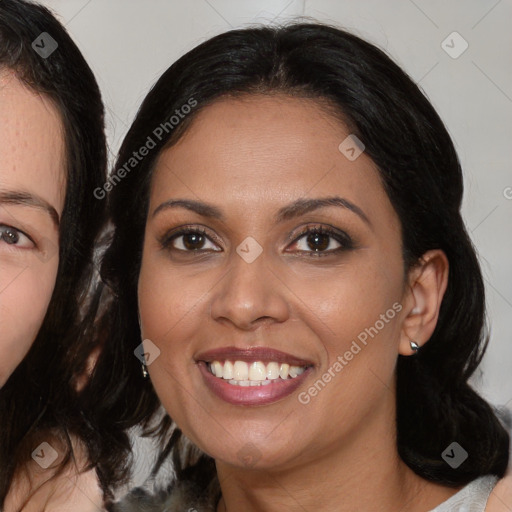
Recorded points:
364,473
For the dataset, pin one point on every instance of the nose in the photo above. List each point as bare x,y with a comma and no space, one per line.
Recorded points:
249,295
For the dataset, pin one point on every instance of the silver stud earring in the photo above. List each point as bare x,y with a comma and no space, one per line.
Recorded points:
414,346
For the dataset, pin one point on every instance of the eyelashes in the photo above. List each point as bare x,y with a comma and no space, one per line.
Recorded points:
317,236
319,239
190,237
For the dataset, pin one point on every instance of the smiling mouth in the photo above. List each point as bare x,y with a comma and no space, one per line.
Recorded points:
252,376
256,373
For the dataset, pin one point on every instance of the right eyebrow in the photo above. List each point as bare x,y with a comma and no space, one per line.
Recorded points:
32,201
204,209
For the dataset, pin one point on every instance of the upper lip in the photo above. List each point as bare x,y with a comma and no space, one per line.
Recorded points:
250,355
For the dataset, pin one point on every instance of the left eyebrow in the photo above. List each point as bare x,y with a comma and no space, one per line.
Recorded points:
32,201
302,206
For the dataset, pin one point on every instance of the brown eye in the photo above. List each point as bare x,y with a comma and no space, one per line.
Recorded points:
317,241
320,240
190,240
193,241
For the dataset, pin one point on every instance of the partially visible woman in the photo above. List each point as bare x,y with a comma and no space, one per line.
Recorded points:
52,157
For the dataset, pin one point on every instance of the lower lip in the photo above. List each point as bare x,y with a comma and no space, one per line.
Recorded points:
251,395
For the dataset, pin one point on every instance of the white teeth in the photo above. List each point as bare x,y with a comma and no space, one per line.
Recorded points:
241,373
295,371
283,371
240,370
228,370
217,369
257,371
245,383
272,371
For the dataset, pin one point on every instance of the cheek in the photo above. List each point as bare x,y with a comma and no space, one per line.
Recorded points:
167,300
169,305
354,311
25,294
347,300
173,310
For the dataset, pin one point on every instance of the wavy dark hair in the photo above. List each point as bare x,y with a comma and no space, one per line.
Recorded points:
39,397
421,173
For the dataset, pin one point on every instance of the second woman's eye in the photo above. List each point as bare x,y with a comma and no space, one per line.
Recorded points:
317,241
322,241
190,240
15,237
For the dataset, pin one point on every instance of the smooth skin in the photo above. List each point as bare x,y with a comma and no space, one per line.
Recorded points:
500,499
249,157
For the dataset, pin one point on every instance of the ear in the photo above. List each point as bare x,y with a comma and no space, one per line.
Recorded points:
426,285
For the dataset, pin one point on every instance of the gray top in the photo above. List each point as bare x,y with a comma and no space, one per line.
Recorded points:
471,498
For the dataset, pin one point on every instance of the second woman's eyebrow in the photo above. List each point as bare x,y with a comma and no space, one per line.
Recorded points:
31,200
294,209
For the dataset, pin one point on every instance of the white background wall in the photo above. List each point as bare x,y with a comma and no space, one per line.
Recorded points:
129,43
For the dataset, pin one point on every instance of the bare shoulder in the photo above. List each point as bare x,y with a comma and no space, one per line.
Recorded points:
500,499
38,488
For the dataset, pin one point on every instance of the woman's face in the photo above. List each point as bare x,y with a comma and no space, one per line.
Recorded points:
32,188
318,316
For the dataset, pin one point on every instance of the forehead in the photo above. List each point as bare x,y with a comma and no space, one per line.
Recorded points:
31,141
255,149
